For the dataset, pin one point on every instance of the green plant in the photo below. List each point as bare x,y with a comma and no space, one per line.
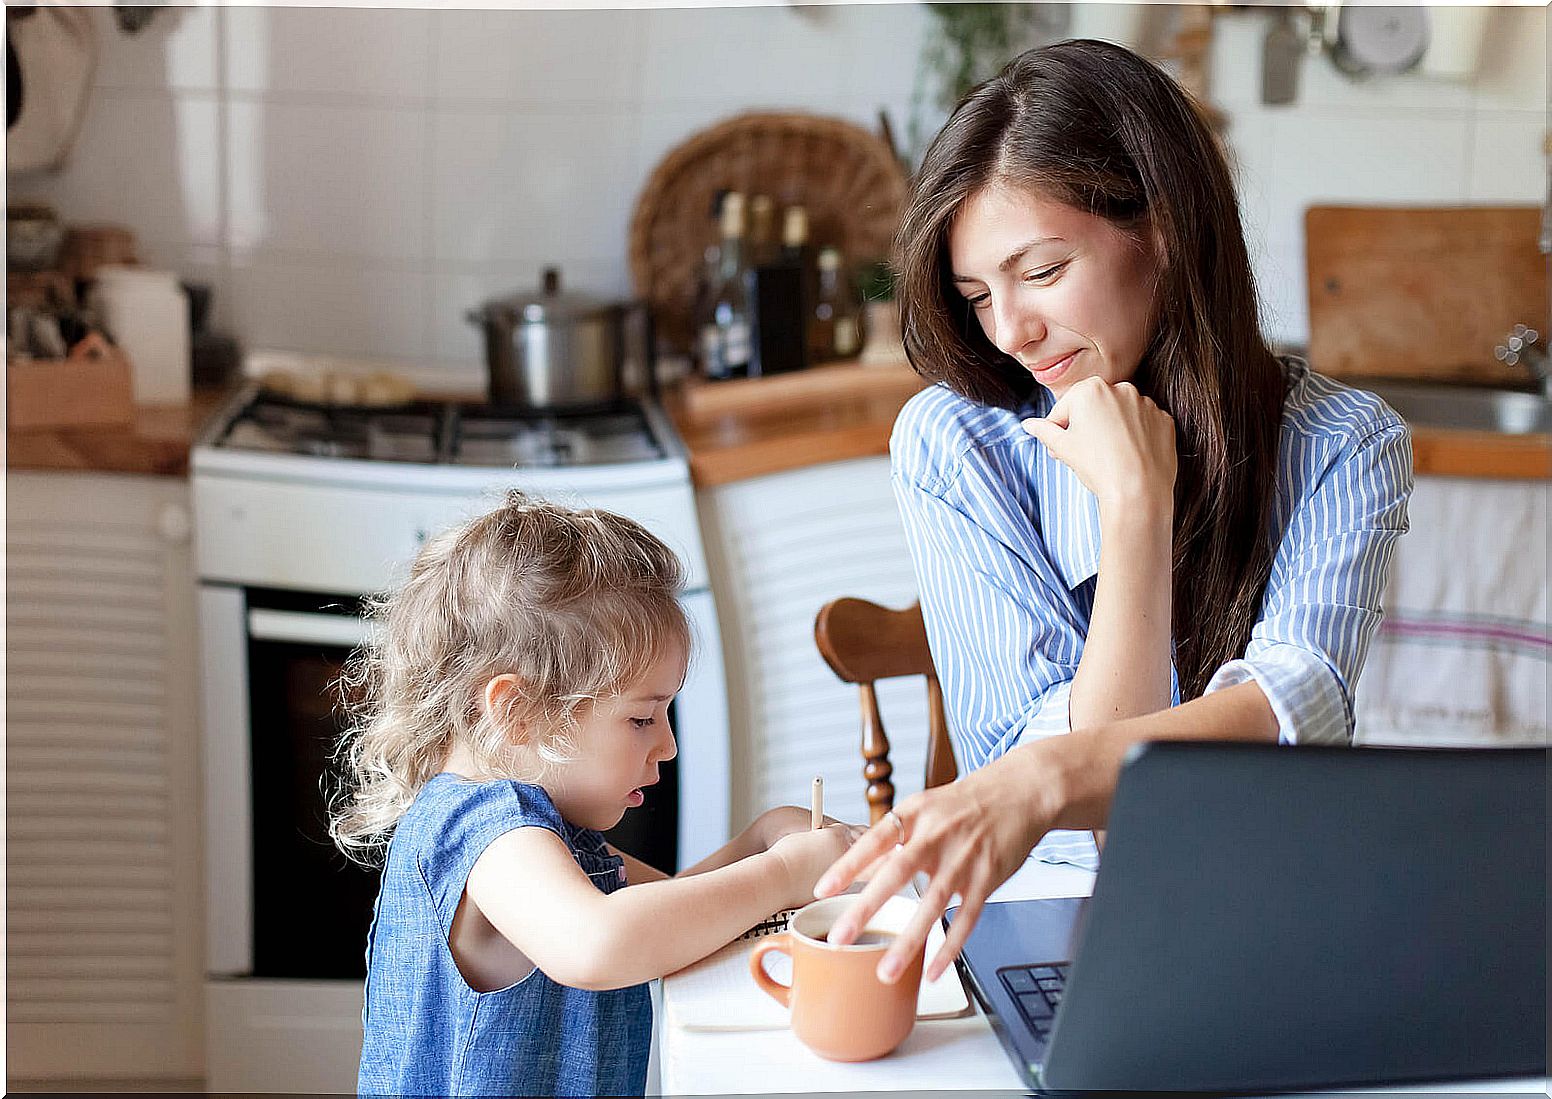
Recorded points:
969,43
876,281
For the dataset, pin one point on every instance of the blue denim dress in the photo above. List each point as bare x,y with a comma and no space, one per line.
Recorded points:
426,1031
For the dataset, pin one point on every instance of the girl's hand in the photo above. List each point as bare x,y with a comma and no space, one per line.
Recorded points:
968,837
773,824
1119,443
806,854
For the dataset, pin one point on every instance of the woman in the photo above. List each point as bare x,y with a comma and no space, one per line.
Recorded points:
1129,520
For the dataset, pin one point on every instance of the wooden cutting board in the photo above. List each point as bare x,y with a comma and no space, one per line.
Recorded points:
1422,292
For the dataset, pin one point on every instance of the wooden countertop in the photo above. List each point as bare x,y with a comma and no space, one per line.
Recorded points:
157,442
752,427
732,430
749,428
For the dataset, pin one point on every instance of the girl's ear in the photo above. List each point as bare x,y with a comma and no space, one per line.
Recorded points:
502,693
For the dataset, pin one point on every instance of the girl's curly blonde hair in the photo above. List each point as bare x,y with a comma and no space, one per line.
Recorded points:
577,604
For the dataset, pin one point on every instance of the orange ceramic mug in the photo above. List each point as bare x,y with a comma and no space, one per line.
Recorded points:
840,1009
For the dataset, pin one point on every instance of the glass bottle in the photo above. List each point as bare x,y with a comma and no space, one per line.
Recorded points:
835,333
703,322
726,340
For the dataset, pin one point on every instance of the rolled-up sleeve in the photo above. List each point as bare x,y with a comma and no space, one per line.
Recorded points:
1323,597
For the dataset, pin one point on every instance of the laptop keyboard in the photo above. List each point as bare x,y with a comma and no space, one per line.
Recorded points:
1037,989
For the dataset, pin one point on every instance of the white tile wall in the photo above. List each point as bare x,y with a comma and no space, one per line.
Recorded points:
146,160
353,179
329,53
327,180
176,52
559,58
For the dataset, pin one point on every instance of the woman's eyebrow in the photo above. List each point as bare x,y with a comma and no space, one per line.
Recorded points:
1014,256
1018,253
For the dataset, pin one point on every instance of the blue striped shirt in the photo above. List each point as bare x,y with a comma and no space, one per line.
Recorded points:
1005,541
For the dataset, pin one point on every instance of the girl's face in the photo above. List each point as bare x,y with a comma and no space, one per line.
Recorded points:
1063,291
620,742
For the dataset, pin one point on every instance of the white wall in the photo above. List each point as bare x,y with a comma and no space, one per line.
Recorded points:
352,180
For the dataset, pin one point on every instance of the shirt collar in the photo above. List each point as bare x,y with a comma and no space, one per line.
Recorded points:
1069,513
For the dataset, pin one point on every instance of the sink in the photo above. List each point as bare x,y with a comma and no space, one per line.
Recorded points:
1465,408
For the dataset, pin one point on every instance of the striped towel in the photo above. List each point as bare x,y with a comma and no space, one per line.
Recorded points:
1463,653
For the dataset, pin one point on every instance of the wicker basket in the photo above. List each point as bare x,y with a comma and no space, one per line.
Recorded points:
847,178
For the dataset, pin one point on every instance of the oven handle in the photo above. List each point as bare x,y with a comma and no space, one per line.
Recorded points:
307,628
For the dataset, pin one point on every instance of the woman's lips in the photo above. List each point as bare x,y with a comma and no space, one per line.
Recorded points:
635,798
1045,375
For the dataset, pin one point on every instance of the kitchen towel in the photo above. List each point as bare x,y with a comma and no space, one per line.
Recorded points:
1463,653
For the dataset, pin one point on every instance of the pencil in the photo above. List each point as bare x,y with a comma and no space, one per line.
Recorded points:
816,812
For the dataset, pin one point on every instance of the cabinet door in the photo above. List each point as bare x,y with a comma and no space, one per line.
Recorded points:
780,547
102,862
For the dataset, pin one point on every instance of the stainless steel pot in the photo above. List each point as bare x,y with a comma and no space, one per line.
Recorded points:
552,349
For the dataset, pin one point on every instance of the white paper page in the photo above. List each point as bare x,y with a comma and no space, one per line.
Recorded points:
719,993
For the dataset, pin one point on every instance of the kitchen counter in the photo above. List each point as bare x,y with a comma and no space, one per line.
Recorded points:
749,428
732,430
157,442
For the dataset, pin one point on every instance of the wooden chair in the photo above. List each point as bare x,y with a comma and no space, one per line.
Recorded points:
864,642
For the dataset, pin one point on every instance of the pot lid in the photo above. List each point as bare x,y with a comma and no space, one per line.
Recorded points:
550,305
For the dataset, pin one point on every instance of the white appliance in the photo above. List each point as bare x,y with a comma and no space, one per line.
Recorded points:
299,511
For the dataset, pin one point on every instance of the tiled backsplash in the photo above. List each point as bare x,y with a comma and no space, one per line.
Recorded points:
351,181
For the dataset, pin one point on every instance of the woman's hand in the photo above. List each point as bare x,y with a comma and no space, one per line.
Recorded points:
1119,443
968,837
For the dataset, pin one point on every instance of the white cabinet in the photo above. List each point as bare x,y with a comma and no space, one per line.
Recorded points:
780,547
103,940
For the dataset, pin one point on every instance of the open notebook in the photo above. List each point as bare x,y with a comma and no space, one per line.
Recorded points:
717,992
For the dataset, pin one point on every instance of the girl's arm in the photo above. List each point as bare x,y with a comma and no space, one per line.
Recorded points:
637,871
529,887
769,827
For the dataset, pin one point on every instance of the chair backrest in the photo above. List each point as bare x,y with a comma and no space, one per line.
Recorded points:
864,642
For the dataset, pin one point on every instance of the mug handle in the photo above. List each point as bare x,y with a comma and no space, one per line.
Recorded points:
779,944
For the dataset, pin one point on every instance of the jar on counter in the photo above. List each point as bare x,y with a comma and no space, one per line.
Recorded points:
146,313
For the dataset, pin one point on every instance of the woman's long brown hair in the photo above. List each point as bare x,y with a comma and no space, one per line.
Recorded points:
1096,127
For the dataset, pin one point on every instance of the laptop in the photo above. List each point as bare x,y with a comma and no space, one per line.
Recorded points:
1269,918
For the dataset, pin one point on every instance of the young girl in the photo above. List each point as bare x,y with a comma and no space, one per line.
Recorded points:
513,705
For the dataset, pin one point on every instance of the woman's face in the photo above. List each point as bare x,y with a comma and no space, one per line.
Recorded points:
1063,291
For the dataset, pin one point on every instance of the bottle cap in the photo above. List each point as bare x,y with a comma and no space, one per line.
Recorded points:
733,214
794,227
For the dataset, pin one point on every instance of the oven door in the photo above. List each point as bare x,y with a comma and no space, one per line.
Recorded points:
285,902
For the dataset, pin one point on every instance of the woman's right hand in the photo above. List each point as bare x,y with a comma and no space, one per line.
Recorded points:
968,837
806,855
1119,443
